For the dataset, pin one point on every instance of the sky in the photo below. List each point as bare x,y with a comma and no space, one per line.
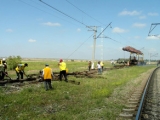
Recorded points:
66,28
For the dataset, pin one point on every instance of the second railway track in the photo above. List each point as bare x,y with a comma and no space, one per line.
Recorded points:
144,103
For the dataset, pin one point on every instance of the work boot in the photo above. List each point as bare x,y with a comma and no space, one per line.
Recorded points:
66,80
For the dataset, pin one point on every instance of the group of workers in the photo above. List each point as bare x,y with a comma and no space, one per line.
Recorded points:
100,66
47,73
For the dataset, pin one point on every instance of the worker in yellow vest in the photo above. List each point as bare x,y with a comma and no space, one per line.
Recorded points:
102,65
3,68
62,67
47,77
20,70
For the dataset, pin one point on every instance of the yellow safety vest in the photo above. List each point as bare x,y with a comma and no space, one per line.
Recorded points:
102,64
20,67
0,61
1,66
62,66
47,73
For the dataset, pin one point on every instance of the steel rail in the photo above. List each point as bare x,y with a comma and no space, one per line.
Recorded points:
138,115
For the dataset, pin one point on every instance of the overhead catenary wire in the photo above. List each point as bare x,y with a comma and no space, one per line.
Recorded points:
112,39
84,12
79,47
153,25
127,40
104,29
45,11
62,13
95,20
76,19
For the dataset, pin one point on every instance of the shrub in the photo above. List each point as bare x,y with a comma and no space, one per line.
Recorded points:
12,62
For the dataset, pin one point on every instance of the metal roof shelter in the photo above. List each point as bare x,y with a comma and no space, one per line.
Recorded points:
134,60
132,50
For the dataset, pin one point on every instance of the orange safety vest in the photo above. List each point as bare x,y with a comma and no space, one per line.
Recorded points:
47,73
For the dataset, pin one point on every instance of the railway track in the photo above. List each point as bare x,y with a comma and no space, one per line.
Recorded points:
38,77
144,103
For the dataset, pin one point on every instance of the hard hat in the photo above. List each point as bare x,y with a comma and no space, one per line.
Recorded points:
3,59
60,60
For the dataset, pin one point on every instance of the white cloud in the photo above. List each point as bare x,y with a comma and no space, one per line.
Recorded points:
31,40
51,24
131,13
139,25
9,30
153,38
118,30
78,30
153,14
142,17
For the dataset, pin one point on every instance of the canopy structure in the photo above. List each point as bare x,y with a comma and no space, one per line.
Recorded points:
132,50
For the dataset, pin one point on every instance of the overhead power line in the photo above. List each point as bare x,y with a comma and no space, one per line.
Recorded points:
78,47
95,20
45,11
62,13
75,19
111,39
84,12
104,29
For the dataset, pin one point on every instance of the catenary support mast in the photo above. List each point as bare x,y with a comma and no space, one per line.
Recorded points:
93,28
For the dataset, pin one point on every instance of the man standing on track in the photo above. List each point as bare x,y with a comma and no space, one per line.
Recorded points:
89,65
62,66
47,76
102,65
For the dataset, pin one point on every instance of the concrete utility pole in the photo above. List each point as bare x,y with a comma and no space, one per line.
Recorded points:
93,28
102,46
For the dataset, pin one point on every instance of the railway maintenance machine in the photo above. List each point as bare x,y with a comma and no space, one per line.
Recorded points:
136,57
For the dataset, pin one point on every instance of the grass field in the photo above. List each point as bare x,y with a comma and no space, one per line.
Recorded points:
87,101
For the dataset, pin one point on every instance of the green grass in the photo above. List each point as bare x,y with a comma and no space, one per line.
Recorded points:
86,101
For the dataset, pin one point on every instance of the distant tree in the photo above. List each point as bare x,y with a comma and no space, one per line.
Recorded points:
12,62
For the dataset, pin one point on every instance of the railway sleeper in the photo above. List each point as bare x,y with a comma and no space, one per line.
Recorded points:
131,106
124,115
136,99
129,110
137,96
133,103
